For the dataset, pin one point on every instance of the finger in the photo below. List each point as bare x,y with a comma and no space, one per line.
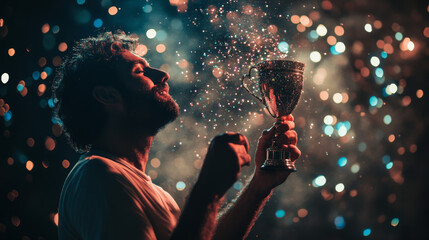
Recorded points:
295,153
237,138
284,126
238,148
289,137
285,118
266,138
244,159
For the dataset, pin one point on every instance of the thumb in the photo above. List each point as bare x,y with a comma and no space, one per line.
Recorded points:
266,138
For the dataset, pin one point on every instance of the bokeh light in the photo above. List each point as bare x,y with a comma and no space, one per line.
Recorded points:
151,33
360,118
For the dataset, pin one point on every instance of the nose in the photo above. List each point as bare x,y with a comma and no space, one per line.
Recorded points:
158,76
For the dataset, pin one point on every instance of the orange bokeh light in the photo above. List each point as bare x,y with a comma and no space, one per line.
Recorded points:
50,144
141,50
426,32
339,30
419,93
41,88
378,24
327,5
29,165
160,48
331,40
324,95
62,47
294,19
300,28
43,75
45,28
11,52
65,163
113,10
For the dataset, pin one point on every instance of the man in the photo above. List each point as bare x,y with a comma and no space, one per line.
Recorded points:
112,104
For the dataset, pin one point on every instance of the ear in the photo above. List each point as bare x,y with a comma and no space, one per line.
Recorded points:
115,47
107,96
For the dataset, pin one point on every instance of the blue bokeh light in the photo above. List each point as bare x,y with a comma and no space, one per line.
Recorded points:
312,35
333,51
7,116
280,213
379,72
339,222
373,101
389,165
367,232
238,185
36,75
283,47
98,23
386,159
342,161
20,87
147,8
329,130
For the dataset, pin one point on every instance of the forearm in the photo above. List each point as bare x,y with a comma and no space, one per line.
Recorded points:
198,219
239,219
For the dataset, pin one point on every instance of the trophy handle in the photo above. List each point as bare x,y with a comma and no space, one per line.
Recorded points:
247,89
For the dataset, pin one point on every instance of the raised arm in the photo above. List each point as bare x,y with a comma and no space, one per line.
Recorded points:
226,155
238,220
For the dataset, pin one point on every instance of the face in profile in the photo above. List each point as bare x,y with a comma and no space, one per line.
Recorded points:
148,104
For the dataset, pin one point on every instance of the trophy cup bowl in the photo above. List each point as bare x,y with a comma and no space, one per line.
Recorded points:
280,85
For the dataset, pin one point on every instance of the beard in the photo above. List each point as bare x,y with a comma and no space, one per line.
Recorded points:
148,112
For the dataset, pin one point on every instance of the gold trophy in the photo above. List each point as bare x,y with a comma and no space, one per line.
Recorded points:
280,85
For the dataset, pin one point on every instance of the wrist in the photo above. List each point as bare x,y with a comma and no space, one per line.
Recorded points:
258,189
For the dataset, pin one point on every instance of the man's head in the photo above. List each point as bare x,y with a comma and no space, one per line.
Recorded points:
102,83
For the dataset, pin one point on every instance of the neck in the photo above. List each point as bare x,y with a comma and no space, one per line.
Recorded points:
134,151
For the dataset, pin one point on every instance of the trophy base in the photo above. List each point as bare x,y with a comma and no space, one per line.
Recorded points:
285,165
278,159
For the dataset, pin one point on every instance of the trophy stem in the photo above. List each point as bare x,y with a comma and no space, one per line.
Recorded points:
277,158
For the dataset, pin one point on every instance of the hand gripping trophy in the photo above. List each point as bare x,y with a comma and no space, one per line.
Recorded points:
280,85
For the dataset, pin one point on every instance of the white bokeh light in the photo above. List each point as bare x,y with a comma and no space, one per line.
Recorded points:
321,30
339,187
315,56
151,33
340,47
368,27
375,61
4,78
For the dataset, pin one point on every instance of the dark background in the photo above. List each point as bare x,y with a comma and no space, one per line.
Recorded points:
386,198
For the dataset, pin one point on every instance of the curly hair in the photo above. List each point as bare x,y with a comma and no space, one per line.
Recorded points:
91,62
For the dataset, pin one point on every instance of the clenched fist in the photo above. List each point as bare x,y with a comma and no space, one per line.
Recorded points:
226,155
